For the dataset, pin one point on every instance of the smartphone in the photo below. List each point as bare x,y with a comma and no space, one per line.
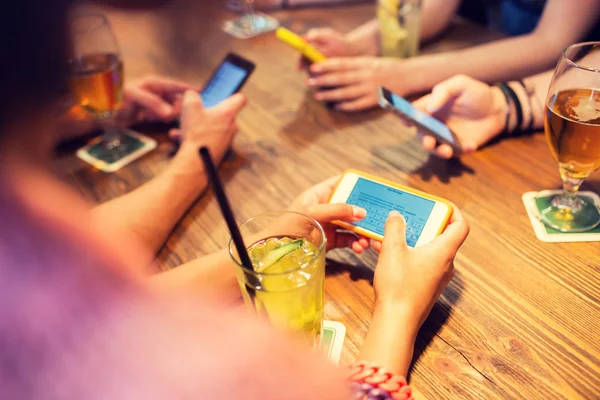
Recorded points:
227,79
392,102
290,38
426,215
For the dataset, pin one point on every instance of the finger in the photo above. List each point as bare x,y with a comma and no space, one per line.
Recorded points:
175,134
167,85
361,103
152,103
421,103
191,100
394,236
232,105
364,242
335,64
457,230
376,246
444,151
336,212
428,142
317,35
346,239
339,94
334,79
445,92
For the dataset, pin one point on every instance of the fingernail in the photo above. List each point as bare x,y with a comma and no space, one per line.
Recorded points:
358,212
315,68
394,214
312,82
431,108
318,96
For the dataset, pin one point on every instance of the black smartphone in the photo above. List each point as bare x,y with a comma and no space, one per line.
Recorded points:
228,78
437,129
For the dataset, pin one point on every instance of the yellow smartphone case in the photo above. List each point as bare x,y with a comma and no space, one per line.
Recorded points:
295,41
372,235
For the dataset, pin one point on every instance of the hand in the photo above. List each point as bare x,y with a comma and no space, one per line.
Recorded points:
412,279
154,99
354,81
212,127
328,41
473,110
314,202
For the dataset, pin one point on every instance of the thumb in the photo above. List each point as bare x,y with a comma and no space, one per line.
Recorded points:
443,93
394,236
191,100
336,212
231,105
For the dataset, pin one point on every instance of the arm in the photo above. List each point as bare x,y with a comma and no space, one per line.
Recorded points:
150,212
407,284
436,15
509,58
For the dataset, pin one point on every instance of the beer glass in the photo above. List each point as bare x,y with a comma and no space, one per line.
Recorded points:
572,127
96,74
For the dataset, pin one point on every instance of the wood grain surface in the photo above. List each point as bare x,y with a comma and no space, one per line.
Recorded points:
520,319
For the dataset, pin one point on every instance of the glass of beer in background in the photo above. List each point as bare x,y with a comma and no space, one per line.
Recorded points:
96,73
286,283
572,125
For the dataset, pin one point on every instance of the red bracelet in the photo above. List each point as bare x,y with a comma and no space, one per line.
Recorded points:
371,382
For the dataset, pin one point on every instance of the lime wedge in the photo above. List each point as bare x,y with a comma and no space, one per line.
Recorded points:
277,254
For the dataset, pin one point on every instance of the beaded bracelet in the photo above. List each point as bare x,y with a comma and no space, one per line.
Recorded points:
371,382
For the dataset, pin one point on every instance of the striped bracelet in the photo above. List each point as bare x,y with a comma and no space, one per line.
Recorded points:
371,382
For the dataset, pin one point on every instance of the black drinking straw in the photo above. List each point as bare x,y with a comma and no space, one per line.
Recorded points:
213,176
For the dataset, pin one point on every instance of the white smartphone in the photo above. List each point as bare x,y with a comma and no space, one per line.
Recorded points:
398,105
426,215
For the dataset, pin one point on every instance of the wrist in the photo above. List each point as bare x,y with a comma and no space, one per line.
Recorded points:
401,313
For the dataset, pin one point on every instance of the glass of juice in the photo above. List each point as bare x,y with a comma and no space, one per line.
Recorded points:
286,282
399,27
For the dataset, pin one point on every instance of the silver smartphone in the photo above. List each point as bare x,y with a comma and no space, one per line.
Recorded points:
398,105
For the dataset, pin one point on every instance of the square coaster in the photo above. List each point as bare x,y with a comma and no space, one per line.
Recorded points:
333,340
131,146
249,26
551,235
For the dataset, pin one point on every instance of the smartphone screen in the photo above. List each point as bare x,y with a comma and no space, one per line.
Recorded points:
379,200
420,117
225,82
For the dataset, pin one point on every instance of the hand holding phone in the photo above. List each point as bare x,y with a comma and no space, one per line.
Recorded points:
426,215
291,39
402,107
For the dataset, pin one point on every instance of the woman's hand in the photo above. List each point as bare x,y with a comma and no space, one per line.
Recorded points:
410,280
315,203
328,41
353,81
473,110
212,127
153,98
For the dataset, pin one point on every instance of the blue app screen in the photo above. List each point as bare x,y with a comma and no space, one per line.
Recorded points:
422,118
379,200
223,84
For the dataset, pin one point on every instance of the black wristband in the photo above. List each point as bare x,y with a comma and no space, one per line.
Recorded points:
518,108
503,88
531,119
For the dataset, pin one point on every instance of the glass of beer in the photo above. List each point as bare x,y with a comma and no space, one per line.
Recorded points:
96,73
572,126
286,283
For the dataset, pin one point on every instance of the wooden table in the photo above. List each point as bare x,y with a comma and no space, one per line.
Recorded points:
520,319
